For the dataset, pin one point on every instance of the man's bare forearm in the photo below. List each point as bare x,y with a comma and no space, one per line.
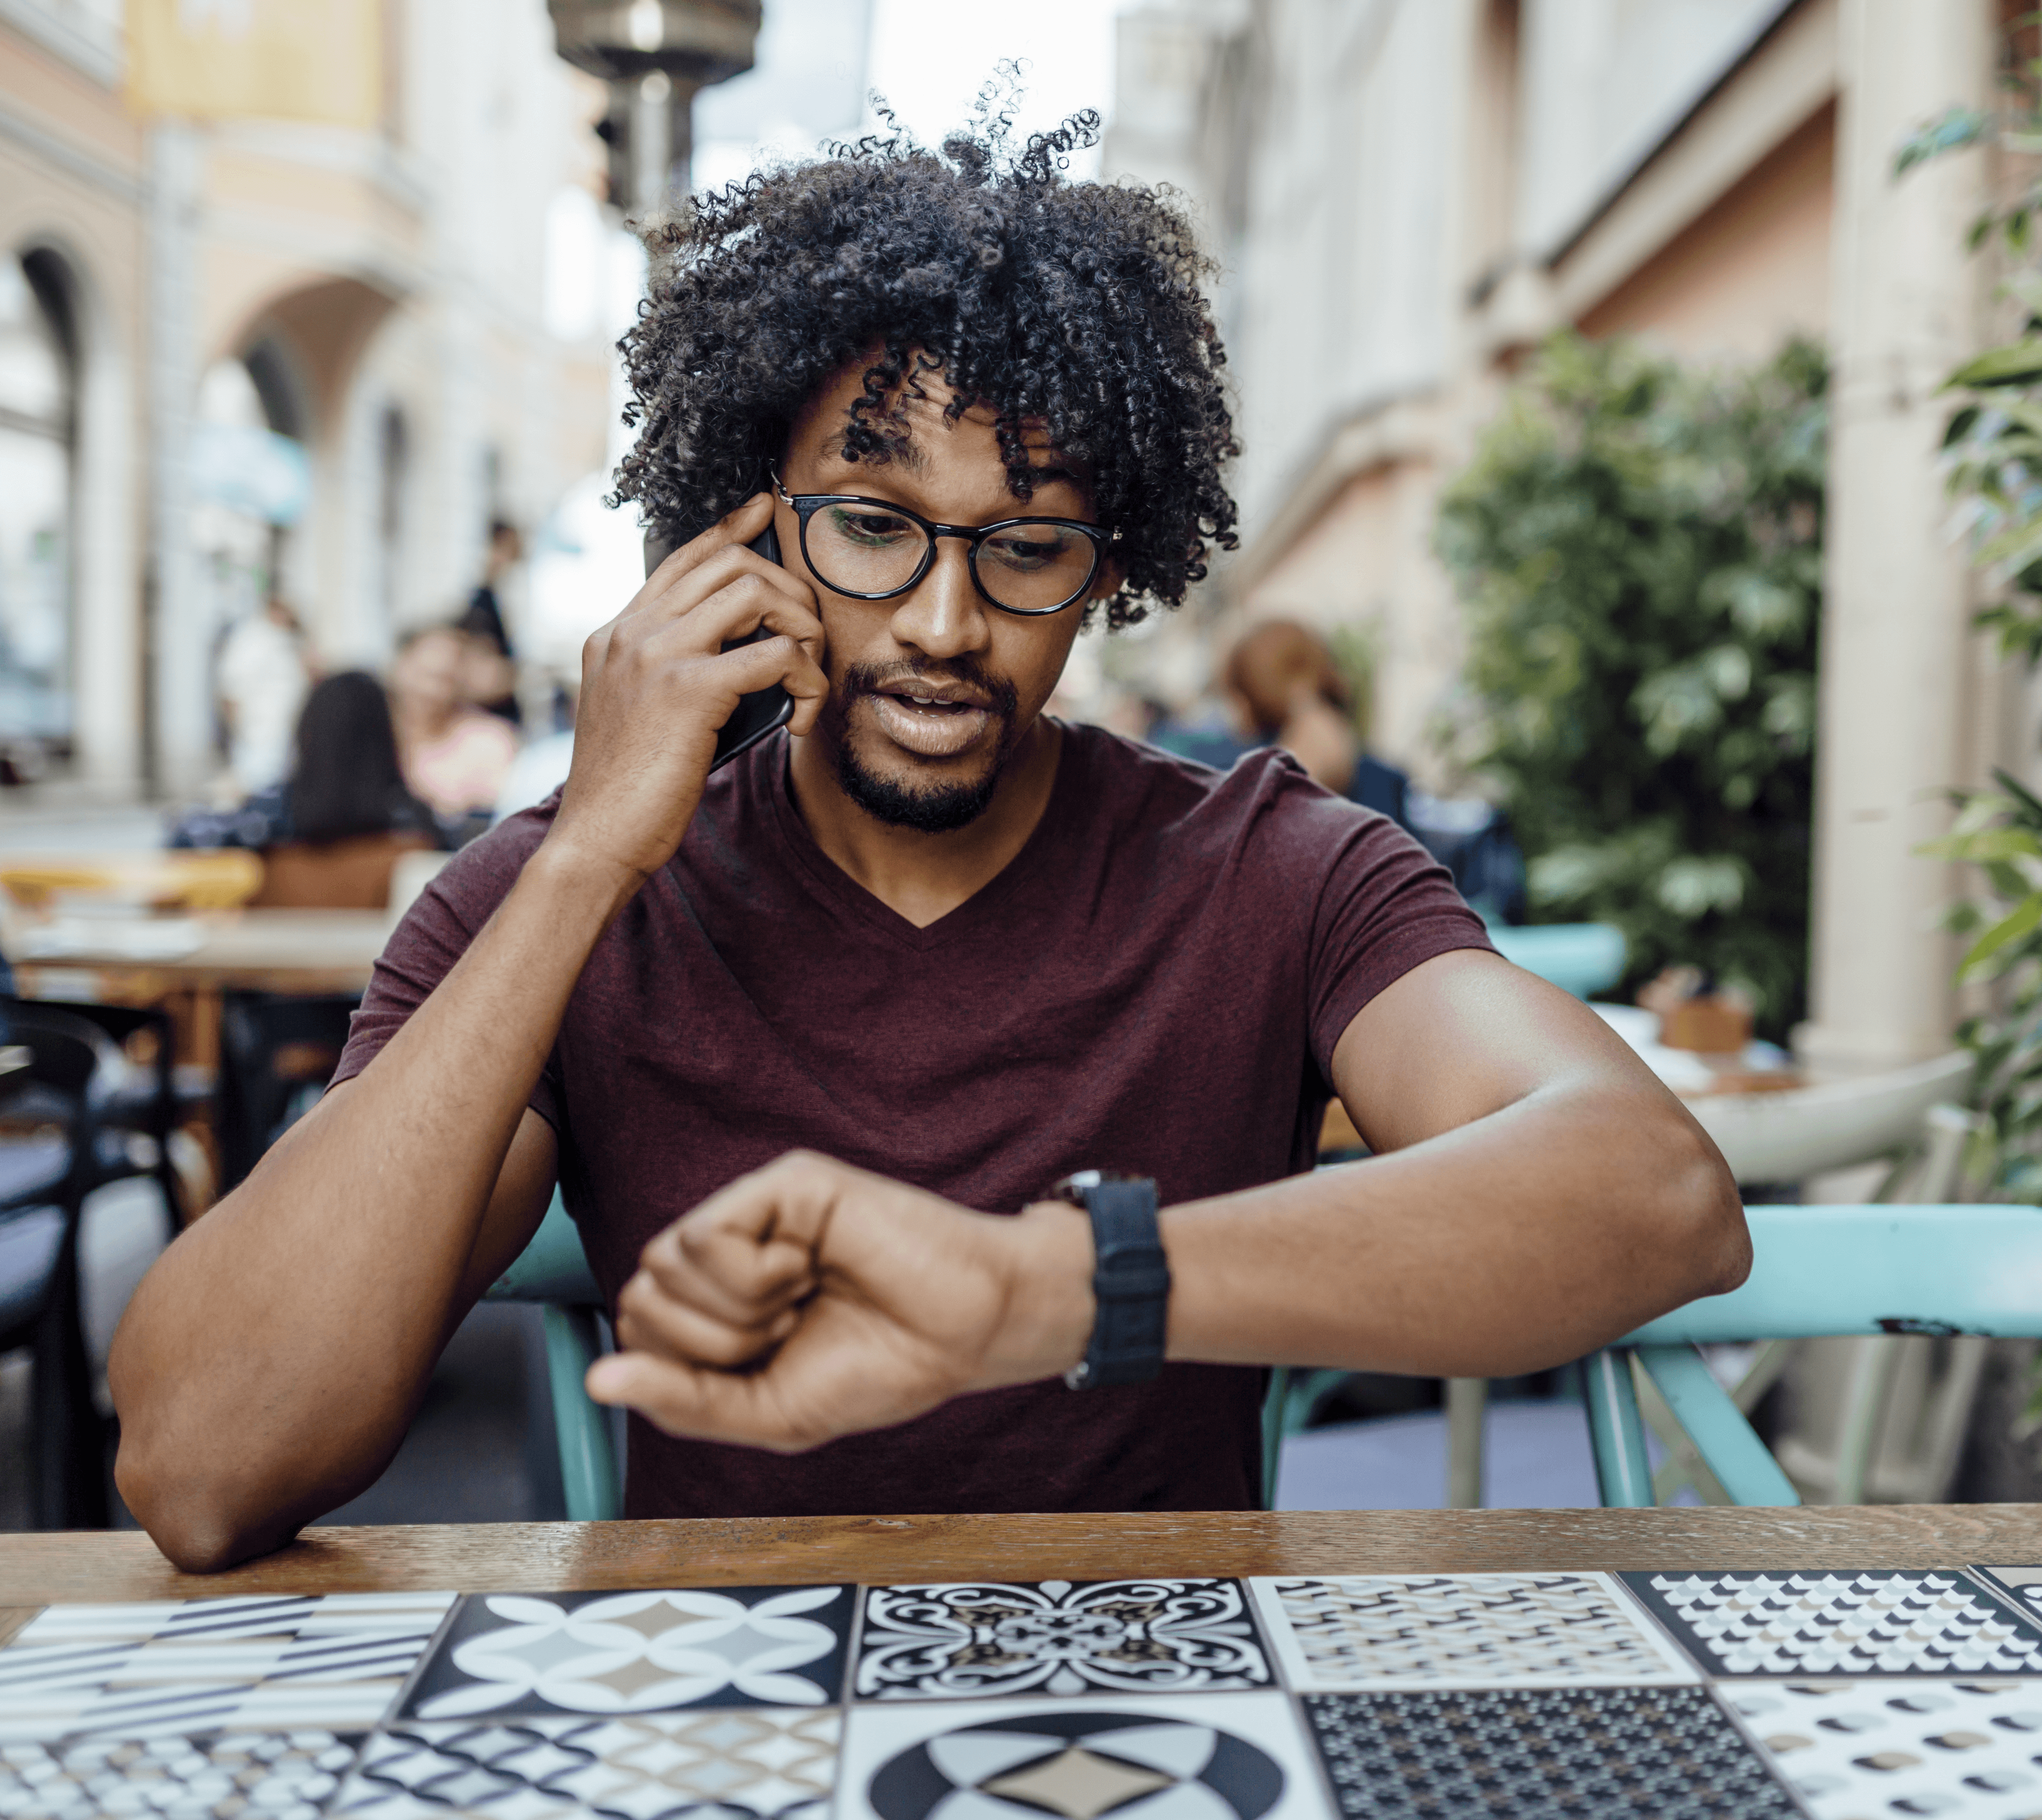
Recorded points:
269,1363
1506,1245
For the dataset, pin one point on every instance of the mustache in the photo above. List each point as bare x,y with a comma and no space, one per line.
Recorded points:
872,678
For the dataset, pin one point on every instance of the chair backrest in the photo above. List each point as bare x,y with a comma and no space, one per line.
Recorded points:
1583,958
350,874
1819,1272
552,1270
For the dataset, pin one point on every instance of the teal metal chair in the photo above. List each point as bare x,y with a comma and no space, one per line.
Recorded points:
553,1271
1583,958
1816,1273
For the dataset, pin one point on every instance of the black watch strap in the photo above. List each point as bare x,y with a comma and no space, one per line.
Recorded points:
1130,1279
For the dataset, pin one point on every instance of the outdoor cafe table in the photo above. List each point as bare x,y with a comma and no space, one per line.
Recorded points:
252,950
39,1569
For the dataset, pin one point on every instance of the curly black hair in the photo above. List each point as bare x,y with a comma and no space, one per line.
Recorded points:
1077,305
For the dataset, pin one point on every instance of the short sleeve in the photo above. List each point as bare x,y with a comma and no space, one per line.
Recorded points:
434,934
1384,905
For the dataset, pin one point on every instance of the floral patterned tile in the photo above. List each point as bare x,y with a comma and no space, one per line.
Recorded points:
1879,1622
729,1763
971,1639
1181,1756
288,1776
1542,1753
616,1653
131,1672
1463,1630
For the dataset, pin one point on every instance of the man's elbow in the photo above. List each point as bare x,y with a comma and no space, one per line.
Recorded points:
200,1519
1697,1214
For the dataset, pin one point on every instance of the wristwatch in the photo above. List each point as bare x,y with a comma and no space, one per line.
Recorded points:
1130,1279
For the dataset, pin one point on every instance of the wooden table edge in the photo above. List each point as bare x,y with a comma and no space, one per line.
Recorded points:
46,1568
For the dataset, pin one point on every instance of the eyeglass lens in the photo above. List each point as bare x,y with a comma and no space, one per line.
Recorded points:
1031,567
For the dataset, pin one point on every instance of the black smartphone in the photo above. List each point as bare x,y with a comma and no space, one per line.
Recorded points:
764,710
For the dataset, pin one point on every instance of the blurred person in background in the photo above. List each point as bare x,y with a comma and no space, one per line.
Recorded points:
261,678
494,689
455,755
1283,688
344,783
1286,690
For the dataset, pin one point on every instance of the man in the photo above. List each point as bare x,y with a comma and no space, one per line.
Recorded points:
953,949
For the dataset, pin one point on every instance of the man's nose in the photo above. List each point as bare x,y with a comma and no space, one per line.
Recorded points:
942,615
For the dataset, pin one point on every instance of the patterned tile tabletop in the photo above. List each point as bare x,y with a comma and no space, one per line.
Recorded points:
1960,1750
1541,1753
1187,1756
1651,1697
1464,1630
1888,1623
639,1652
1117,1636
205,1665
2022,1585
774,1763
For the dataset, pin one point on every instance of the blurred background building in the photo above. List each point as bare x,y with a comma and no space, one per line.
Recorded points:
1411,193
287,328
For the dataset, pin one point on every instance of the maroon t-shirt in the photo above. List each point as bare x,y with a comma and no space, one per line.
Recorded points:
1154,984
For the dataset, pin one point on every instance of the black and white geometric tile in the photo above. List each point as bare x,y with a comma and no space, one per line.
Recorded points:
1957,1750
638,1652
1463,1630
1542,1753
2021,1584
729,1763
1183,1756
973,1639
332,1664
1883,1622
260,1776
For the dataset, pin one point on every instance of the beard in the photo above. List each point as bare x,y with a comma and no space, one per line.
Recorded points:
928,808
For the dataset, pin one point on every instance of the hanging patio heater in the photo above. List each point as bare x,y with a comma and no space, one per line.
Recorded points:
655,55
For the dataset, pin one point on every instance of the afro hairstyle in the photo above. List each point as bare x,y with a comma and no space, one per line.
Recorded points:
1076,306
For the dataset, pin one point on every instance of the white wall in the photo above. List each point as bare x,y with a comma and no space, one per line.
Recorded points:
1343,297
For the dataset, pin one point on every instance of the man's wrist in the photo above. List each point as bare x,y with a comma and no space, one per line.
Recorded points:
1050,1308
595,882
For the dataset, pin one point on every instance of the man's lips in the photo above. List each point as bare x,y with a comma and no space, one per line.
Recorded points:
948,695
932,720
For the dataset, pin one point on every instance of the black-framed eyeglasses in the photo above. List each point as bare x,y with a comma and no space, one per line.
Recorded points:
873,550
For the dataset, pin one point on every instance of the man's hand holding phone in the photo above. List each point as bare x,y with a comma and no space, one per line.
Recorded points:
657,684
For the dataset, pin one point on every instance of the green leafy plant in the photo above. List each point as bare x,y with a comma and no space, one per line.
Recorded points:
1638,550
1993,448
2000,832
1992,454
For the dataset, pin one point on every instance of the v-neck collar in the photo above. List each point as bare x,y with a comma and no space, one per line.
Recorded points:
772,777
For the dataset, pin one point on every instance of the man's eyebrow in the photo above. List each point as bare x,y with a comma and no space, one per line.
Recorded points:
1049,472
907,452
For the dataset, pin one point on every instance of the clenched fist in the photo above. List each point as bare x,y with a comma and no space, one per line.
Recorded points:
810,1300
